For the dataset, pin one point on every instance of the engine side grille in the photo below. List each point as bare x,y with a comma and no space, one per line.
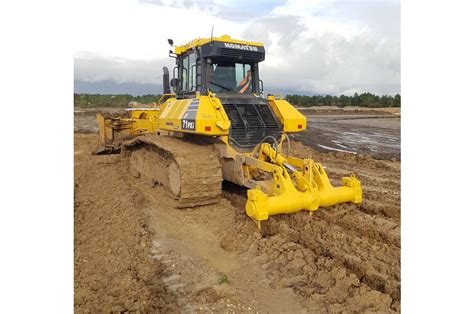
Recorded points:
251,123
235,53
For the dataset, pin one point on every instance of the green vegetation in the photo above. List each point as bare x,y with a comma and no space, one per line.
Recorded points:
362,100
223,279
115,101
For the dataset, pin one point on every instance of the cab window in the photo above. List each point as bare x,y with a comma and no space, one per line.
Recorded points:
230,77
188,74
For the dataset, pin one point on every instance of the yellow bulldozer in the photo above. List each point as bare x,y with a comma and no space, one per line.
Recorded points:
218,125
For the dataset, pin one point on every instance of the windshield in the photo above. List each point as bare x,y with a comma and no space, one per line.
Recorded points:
229,77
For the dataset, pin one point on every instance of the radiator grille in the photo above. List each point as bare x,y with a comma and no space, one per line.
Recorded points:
251,123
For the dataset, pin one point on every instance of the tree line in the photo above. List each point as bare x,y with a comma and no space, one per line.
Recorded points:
362,100
115,101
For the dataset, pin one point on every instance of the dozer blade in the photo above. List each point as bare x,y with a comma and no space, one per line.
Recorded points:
112,132
299,185
115,130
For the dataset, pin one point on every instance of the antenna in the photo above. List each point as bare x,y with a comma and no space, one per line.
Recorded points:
212,31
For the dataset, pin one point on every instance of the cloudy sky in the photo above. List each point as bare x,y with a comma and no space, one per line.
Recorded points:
312,47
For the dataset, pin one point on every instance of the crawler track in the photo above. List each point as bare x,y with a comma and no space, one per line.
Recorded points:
190,172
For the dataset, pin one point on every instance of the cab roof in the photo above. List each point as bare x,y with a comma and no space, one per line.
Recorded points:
202,41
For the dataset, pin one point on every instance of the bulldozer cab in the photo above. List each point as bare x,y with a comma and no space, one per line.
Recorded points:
233,77
218,65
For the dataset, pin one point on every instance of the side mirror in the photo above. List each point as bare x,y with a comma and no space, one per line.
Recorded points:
260,86
174,83
170,41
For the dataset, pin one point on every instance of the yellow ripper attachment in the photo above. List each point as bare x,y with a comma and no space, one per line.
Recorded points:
298,184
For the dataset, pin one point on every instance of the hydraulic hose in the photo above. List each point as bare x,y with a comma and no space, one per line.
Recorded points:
274,141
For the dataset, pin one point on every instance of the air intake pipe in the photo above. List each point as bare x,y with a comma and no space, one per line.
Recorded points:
166,81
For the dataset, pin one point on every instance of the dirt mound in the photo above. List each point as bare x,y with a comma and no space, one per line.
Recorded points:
112,270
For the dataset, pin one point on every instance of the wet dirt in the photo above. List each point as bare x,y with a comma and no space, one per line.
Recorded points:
113,271
129,236
333,110
356,132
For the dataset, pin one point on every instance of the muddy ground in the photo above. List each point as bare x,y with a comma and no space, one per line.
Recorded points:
135,251
371,132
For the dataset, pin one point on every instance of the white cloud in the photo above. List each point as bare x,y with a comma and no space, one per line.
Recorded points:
126,40
135,30
95,68
302,8
315,49
326,47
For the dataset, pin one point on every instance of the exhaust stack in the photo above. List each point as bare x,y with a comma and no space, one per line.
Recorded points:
166,81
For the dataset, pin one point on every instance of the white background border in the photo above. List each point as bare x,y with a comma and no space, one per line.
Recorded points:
36,168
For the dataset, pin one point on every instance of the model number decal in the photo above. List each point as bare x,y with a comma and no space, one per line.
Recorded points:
188,121
188,124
